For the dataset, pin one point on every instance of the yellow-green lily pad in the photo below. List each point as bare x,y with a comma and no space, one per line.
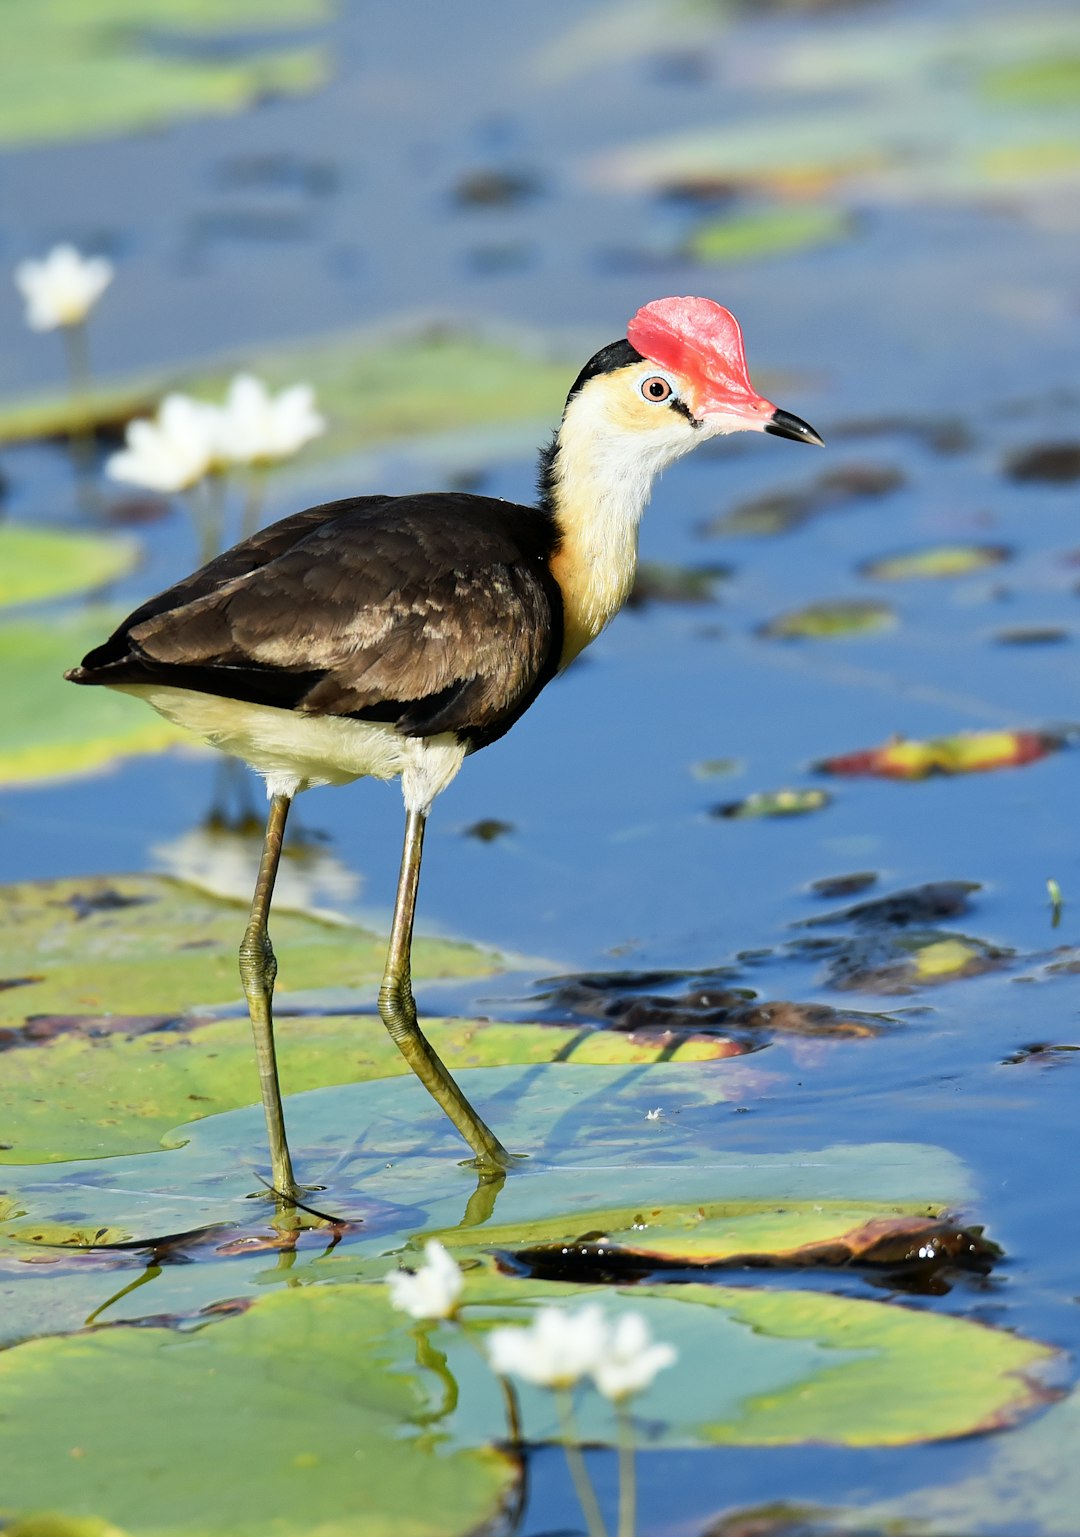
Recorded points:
305,1396
54,730
372,390
137,945
70,70
824,621
306,1391
38,563
100,1096
766,232
937,560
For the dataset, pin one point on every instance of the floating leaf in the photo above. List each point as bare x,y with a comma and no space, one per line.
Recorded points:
50,728
657,582
100,1096
1058,464
625,1002
1038,82
901,962
69,70
306,1393
970,752
850,616
43,563
1032,635
145,945
781,511
373,391
937,560
921,904
774,803
775,1368
767,232
832,886
602,1245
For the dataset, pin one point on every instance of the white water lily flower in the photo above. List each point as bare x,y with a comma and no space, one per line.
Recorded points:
62,288
259,428
172,452
433,1290
631,1359
555,1351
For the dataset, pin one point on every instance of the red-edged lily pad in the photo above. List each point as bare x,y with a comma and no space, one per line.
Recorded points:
968,752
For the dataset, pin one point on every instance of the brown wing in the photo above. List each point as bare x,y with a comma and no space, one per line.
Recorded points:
436,612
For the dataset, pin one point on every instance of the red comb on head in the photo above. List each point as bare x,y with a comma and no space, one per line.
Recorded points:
696,338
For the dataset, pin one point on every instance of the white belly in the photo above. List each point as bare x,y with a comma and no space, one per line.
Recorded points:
295,752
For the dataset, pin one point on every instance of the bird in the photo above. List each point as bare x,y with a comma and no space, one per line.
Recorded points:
392,636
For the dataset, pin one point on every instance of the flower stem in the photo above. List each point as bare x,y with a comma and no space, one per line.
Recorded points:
576,1462
253,504
208,509
81,432
627,1477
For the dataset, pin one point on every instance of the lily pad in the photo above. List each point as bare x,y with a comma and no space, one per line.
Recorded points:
53,730
937,560
817,621
105,1095
69,70
776,1368
306,1392
764,232
905,961
43,563
601,1245
774,803
779,512
143,945
373,390
968,752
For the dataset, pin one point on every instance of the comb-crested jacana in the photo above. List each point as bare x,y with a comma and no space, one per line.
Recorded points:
394,635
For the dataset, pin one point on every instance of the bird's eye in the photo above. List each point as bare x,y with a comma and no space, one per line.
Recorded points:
657,388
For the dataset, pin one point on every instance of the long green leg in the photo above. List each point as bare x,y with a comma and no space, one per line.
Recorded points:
399,1012
258,970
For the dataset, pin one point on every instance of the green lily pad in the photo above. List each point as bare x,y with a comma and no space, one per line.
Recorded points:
937,560
1028,1482
307,1390
817,621
767,232
143,945
306,1393
70,70
372,390
53,730
42,563
100,1097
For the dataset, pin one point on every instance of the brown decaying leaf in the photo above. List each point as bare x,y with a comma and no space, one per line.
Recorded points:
1057,464
920,904
894,1243
734,1012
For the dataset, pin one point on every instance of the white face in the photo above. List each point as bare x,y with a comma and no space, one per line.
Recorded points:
647,402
